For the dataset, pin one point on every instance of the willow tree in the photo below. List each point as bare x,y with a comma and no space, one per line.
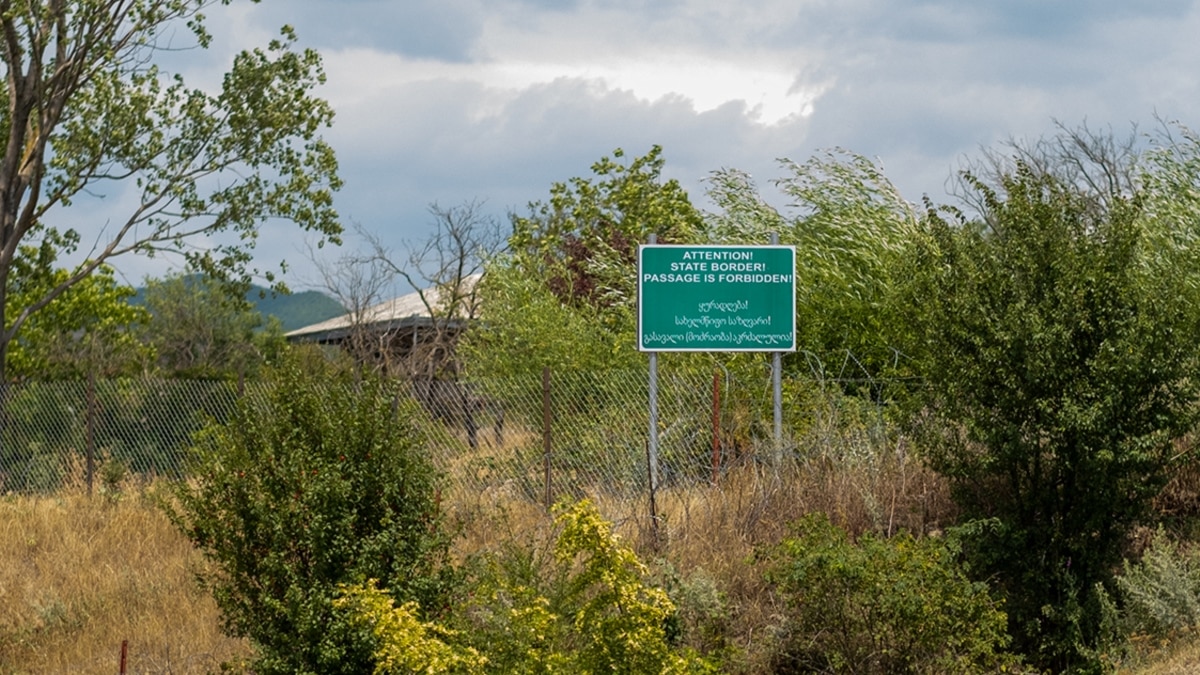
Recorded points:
851,228
87,111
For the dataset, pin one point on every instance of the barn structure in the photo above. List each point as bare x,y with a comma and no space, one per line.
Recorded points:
411,335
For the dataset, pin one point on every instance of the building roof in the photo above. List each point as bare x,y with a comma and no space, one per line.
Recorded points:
405,312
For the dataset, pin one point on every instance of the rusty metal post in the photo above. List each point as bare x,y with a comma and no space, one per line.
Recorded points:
89,429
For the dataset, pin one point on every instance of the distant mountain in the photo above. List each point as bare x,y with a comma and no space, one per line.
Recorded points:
296,310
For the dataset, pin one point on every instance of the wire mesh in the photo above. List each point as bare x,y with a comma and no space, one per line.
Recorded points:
539,437
58,434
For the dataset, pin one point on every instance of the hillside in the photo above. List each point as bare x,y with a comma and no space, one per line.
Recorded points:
293,311
297,309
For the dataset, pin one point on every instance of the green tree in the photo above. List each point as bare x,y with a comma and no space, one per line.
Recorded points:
201,328
584,240
321,482
571,263
91,328
1060,364
86,110
851,229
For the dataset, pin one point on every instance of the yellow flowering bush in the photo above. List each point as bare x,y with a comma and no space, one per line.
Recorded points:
405,643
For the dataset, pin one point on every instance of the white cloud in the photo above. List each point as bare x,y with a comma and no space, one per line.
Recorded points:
770,93
451,100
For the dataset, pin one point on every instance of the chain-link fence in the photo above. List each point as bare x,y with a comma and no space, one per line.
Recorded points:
522,443
59,434
541,436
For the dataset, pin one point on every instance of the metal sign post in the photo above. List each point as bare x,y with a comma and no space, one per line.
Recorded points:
777,372
715,298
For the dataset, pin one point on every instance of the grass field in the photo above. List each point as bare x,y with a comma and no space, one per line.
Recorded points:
81,574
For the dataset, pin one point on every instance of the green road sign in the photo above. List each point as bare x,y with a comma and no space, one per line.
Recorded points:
716,298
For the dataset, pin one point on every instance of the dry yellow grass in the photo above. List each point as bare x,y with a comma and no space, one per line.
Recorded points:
1176,657
1186,662
710,533
80,574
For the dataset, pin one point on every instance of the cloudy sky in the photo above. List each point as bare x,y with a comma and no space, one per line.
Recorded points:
454,100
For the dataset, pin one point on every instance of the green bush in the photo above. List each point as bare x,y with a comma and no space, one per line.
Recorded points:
405,643
587,607
1160,594
320,482
1058,354
898,605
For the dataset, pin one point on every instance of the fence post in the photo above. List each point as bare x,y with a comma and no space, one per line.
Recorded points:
546,432
89,426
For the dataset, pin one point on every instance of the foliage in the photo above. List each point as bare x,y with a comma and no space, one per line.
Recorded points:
1059,363
1169,189
564,295
620,622
851,229
405,643
201,328
704,612
1160,594
525,327
320,482
87,111
898,605
585,239
88,329
586,609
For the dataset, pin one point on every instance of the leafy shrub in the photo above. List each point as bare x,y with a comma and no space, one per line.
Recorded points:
1055,338
898,605
702,611
405,643
1160,594
586,609
318,483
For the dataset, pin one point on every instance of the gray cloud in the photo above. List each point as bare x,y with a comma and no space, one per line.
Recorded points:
438,29
426,112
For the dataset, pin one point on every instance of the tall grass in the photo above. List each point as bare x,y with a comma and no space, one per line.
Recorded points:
703,538
81,574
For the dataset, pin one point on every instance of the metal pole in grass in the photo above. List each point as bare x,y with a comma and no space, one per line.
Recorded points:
777,389
546,431
89,427
652,444
716,427
653,506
